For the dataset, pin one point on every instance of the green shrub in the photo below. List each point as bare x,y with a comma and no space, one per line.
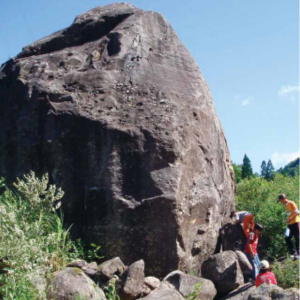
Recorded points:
33,241
287,273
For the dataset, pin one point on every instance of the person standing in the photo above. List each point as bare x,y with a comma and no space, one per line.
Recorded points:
293,225
265,274
251,248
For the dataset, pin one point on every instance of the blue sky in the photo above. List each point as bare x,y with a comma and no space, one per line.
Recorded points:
246,50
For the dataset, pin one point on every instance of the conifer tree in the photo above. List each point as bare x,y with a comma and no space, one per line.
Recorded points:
246,167
269,170
263,168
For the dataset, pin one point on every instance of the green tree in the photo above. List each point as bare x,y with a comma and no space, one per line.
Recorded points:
237,172
291,169
263,168
246,168
269,171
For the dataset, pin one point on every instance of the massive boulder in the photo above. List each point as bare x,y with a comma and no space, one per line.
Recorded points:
116,111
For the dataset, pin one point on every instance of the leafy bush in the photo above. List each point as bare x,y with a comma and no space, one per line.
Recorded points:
287,273
33,242
258,196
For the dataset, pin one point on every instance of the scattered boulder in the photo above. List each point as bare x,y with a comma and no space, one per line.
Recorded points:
224,270
150,283
79,263
115,109
241,293
291,293
164,292
90,269
187,284
263,292
111,267
134,280
274,292
72,283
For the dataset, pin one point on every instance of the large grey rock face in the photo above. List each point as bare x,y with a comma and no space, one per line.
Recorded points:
116,110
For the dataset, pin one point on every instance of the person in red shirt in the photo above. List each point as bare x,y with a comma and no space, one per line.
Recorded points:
251,248
265,274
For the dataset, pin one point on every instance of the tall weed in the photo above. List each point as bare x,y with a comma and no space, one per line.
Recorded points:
33,241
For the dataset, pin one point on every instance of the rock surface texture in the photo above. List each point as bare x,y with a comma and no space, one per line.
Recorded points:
274,292
164,292
224,270
72,283
116,111
187,284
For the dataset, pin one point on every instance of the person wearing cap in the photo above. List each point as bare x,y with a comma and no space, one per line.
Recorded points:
265,274
251,248
293,225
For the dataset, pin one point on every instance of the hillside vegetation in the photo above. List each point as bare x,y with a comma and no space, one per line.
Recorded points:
291,169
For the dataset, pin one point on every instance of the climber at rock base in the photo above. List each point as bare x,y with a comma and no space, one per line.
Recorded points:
265,274
251,248
245,218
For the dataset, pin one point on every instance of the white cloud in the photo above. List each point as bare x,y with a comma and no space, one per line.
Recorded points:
281,159
290,92
245,102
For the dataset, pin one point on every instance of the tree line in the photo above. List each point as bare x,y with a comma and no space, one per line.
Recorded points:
267,170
